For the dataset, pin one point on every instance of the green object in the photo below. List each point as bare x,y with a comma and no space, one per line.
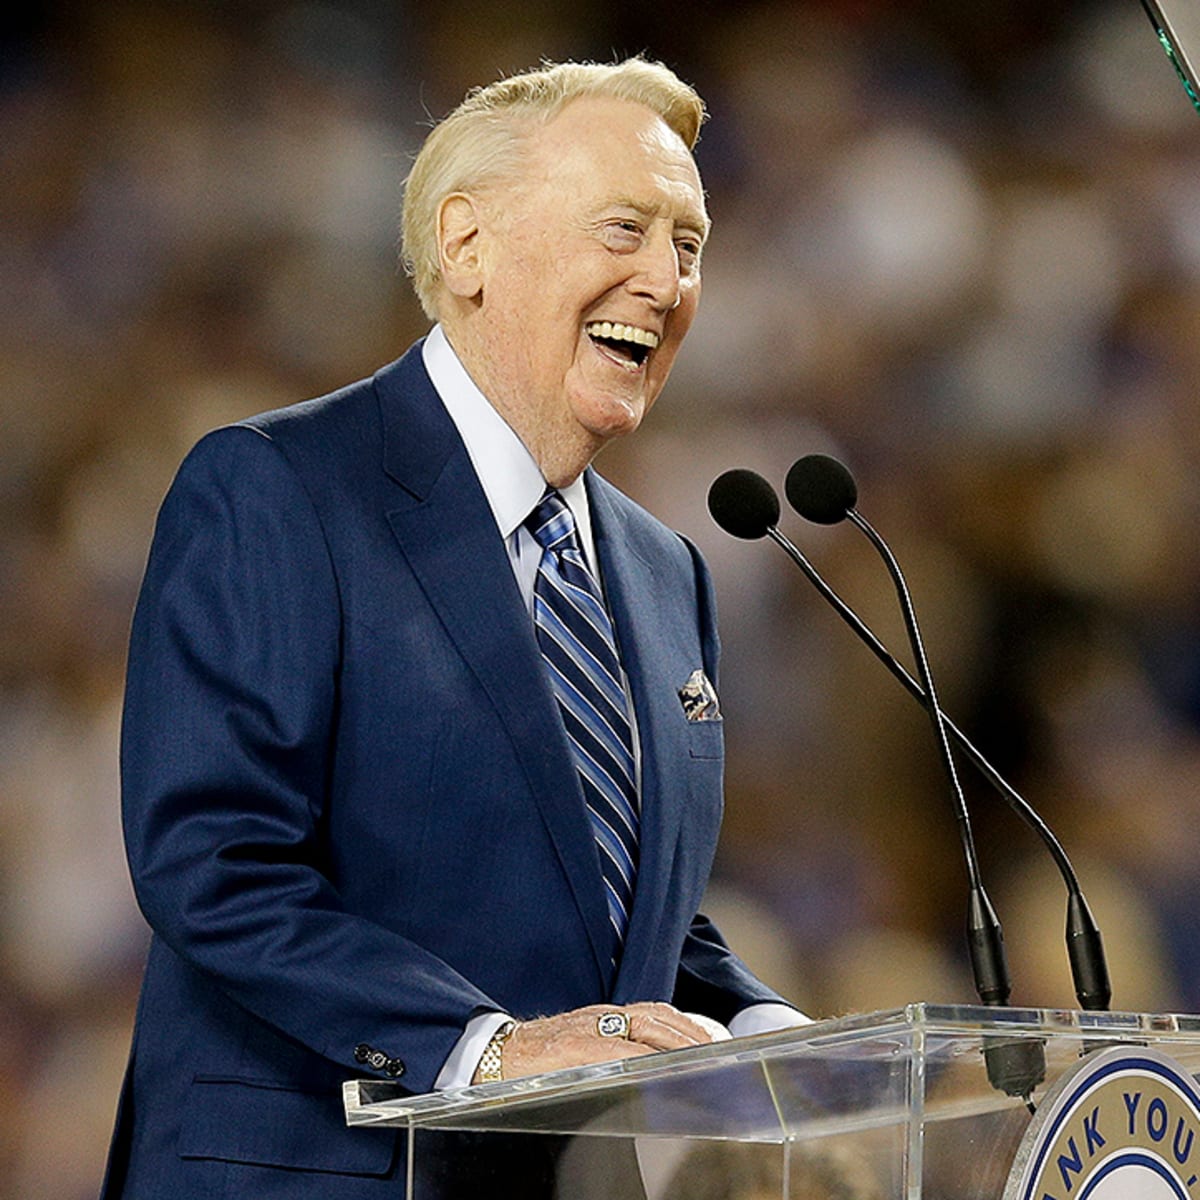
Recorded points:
1179,33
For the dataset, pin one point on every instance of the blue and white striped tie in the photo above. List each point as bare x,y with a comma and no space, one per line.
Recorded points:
576,639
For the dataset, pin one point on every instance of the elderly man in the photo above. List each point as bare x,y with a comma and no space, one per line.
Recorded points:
422,760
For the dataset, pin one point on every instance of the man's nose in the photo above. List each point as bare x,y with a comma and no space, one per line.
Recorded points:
658,276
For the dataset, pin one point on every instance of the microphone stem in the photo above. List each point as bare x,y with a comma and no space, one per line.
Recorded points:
1085,948
932,707
985,939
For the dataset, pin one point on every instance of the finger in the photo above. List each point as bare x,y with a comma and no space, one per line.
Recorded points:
684,1023
659,1035
665,1028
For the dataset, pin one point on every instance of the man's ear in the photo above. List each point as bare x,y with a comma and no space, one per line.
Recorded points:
459,233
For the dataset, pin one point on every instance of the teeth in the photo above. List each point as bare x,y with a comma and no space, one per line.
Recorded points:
614,330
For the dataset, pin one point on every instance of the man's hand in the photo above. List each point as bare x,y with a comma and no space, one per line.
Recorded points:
572,1039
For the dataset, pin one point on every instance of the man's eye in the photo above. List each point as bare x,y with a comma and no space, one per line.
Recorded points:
689,253
623,236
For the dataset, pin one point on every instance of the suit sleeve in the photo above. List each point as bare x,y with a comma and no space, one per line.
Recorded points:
712,979
231,701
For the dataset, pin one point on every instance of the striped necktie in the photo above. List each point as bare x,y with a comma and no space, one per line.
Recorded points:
576,639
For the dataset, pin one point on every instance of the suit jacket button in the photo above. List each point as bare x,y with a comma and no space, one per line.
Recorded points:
362,1053
394,1067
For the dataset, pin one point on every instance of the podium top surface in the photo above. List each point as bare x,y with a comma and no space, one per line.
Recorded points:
866,1069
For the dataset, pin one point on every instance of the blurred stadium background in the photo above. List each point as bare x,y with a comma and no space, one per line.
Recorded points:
957,246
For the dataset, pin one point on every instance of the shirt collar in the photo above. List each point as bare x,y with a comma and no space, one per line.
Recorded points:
511,478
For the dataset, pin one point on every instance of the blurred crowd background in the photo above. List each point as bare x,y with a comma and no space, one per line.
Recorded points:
957,246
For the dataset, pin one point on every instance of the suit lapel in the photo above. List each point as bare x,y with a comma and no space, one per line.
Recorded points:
445,529
632,591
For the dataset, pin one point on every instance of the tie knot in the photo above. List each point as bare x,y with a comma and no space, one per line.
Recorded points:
552,524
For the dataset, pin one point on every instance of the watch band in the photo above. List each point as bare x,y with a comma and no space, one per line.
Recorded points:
491,1062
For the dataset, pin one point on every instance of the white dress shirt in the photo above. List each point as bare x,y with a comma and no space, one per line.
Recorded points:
513,484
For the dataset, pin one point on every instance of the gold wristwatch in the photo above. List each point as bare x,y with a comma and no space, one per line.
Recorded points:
491,1062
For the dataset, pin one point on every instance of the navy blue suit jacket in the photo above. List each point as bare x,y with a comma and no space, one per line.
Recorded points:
351,812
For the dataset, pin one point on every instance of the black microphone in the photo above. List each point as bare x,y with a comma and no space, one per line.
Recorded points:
822,489
745,505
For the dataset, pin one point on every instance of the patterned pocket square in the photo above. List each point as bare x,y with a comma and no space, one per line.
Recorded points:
699,698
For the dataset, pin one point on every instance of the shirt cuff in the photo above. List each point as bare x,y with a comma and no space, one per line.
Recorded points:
765,1018
459,1069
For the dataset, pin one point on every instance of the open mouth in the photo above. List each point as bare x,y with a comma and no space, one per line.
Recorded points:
627,343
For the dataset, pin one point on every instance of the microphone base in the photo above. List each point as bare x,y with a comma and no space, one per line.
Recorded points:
1015,1066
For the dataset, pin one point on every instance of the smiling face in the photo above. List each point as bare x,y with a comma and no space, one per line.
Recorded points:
570,291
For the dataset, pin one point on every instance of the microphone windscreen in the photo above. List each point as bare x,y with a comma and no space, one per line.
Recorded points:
821,489
743,503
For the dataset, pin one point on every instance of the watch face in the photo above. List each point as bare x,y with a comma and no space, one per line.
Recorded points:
1177,23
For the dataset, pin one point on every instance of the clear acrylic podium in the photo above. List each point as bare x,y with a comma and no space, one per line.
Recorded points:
883,1106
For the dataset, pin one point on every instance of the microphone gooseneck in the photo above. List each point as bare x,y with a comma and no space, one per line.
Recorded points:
1085,950
744,504
818,485
822,489
825,489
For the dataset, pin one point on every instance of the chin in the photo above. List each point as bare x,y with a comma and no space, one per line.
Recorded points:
607,417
